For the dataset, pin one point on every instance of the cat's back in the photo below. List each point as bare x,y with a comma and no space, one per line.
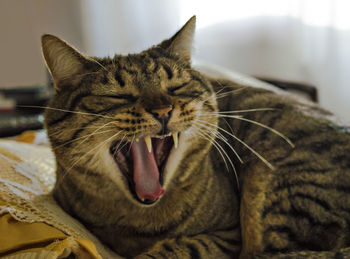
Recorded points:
299,198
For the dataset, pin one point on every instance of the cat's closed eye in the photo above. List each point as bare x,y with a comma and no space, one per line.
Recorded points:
172,89
128,97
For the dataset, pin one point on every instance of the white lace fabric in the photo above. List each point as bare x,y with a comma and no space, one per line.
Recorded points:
27,176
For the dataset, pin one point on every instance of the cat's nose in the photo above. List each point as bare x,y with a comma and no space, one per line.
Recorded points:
162,111
162,114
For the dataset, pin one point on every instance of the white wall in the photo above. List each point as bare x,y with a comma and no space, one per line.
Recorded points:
284,39
22,22
96,27
286,49
124,27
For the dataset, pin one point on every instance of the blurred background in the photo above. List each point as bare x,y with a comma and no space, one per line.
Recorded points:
305,42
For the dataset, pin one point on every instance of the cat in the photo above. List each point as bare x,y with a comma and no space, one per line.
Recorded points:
161,161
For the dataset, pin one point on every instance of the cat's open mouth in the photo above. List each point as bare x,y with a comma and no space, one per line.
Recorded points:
142,162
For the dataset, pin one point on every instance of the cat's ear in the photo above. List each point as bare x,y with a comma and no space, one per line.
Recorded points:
62,60
181,43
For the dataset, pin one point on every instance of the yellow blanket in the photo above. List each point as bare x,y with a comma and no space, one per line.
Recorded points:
32,225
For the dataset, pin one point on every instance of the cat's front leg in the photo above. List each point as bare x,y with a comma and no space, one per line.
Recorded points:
221,244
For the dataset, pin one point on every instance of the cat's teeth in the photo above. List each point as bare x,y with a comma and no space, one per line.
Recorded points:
175,138
148,143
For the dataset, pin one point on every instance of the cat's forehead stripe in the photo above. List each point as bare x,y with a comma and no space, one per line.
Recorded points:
143,68
148,70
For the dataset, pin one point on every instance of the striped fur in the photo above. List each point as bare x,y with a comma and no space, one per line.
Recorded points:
301,209
304,204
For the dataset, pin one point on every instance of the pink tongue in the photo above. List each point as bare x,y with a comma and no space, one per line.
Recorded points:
146,173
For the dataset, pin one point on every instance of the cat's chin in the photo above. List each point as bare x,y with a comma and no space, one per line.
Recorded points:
142,163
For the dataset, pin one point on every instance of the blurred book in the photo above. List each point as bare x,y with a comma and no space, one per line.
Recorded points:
21,109
7,105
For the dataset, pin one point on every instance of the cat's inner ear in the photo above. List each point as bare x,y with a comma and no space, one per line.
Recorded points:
181,43
62,60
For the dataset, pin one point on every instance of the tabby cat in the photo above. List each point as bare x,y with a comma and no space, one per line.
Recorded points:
149,151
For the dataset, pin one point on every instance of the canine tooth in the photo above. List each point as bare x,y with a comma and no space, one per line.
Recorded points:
175,138
148,143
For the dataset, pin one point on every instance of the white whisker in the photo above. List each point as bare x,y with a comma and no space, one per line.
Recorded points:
259,124
118,148
131,142
245,144
72,129
215,145
222,138
85,137
234,91
100,65
90,151
241,111
63,110
218,146
97,131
